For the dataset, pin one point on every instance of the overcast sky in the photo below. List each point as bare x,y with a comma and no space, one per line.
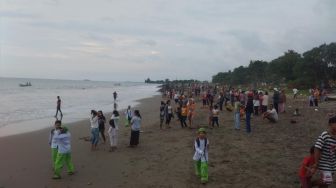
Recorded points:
134,39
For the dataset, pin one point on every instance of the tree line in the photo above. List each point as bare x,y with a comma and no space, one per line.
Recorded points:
316,67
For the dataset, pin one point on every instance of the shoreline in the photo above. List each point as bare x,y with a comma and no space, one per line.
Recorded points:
20,127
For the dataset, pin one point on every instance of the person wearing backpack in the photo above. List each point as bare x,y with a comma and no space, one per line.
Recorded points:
201,147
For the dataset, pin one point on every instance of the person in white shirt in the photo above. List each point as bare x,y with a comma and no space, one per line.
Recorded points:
295,92
256,104
94,130
52,141
113,130
63,140
264,102
201,156
135,129
271,115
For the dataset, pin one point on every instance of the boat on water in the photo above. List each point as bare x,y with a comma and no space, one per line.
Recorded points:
27,84
117,84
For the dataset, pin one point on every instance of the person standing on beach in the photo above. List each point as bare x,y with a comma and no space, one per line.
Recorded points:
101,124
58,107
115,95
237,106
201,157
249,111
168,113
191,111
128,116
94,130
276,98
113,130
264,102
282,102
256,104
325,155
63,140
162,113
52,141
184,115
135,129
215,114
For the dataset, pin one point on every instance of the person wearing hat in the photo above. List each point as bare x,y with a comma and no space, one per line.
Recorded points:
201,157
63,139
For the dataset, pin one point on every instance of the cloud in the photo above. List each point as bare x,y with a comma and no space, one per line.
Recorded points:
175,39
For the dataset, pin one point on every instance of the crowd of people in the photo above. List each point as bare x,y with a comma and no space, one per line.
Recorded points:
214,99
60,137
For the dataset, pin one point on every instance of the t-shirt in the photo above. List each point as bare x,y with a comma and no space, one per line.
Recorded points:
136,123
215,113
308,161
264,100
326,143
184,111
256,102
94,122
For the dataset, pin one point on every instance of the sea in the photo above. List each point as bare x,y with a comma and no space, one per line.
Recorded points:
26,109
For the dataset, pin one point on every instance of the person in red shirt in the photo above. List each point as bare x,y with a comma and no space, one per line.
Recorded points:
305,172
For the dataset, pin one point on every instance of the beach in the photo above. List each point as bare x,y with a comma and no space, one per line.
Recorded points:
268,157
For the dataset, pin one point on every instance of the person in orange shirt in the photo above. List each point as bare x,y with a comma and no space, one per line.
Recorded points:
191,111
305,172
184,114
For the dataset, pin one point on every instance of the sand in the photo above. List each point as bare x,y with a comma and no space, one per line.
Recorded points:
268,157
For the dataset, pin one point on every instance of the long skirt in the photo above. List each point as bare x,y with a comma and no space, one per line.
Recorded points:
134,138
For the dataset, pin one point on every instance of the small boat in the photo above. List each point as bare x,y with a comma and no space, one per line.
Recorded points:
25,85
117,84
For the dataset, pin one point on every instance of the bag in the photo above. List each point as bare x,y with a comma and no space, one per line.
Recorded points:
327,177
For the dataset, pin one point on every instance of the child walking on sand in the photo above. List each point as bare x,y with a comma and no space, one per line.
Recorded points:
113,130
305,172
52,141
63,140
215,114
201,157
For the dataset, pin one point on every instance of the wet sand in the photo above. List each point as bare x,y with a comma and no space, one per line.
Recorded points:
268,157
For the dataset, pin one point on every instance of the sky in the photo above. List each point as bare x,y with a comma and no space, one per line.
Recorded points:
131,40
